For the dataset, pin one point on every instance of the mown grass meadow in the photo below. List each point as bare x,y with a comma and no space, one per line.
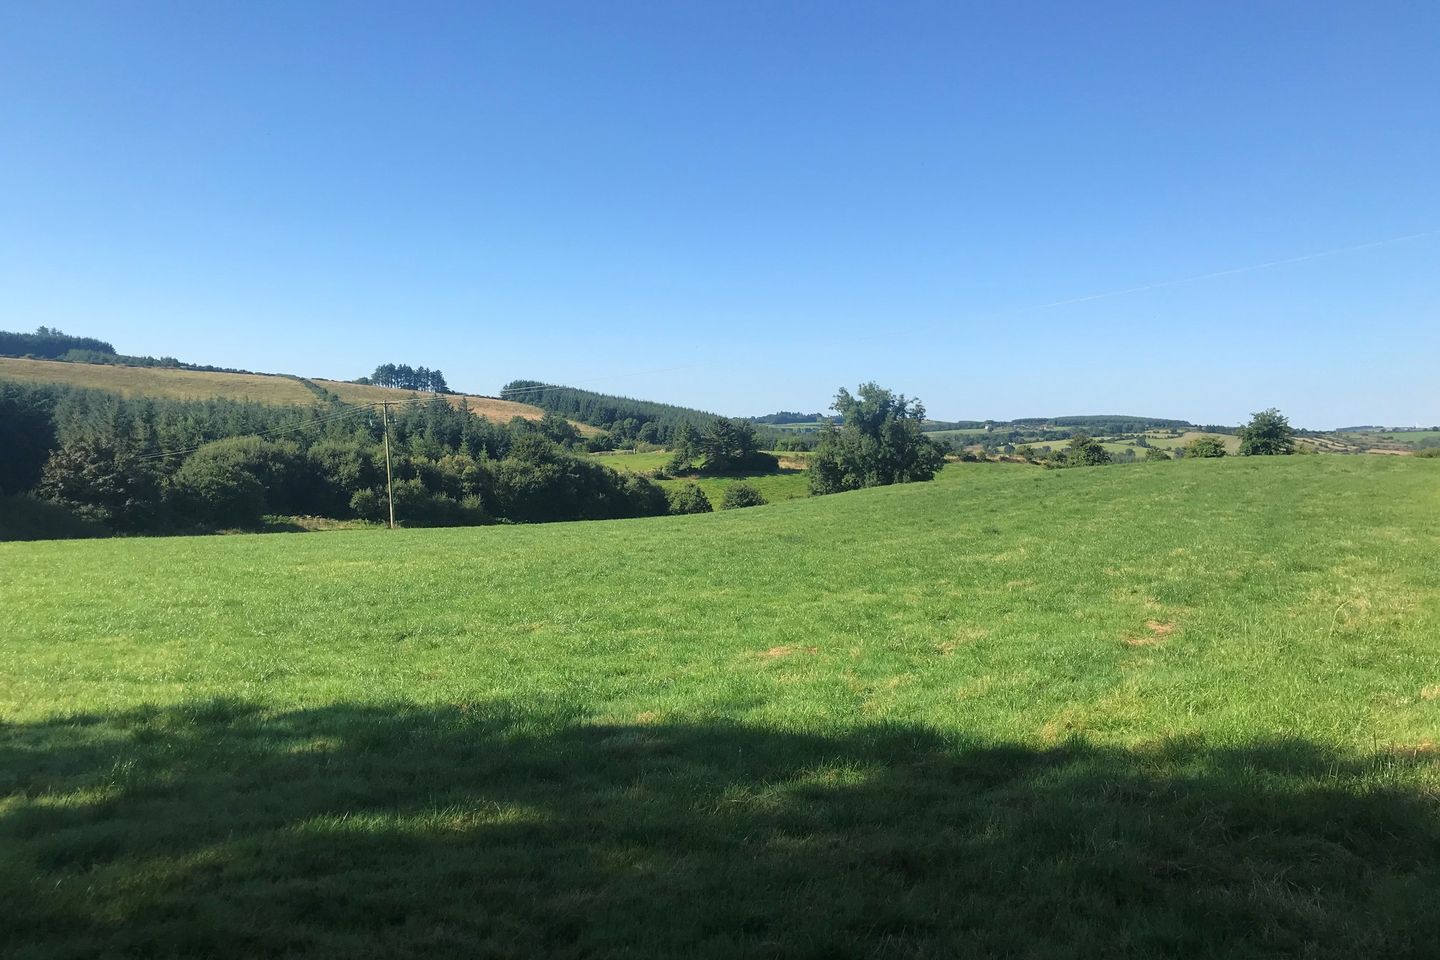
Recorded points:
1175,709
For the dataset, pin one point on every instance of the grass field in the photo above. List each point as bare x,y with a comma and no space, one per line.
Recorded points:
1408,437
261,388
1232,444
789,483
1177,709
159,381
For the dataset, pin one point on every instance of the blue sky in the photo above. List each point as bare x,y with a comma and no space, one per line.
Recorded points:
743,206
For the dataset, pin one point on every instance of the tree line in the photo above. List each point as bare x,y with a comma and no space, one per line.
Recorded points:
47,343
404,377
146,465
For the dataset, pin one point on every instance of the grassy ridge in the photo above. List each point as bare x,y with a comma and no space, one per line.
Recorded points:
1185,708
159,381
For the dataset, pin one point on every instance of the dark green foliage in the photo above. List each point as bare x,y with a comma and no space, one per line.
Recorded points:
1205,447
405,377
623,416
539,482
685,449
1268,433
879,442
689,499
788,416
731,446
739,495
341,468
111,458
724,446
1084,451
48,344
419,505
559,430
217,491
1155,453
26,517
104,479
27,434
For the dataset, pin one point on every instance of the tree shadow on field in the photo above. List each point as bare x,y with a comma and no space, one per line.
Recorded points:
494,830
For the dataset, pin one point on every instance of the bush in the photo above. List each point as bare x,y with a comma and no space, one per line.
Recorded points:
1085,452
1155,453
689,499
104,480
217,492
286,478
1205,447
739,495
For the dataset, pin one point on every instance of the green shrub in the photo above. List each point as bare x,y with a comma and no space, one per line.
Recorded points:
217,492
689,499
741,495
1205,447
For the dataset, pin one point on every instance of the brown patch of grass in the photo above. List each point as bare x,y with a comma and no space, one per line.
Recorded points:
1156,632
1413,751
785,651
1065,725
160,381
1430,693
963,636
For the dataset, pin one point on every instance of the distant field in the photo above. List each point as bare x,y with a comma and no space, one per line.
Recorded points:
1232,444
1171,710
631,461
788,484
971,435
774,487
500,410
1400,436
159,381
808,426
261,388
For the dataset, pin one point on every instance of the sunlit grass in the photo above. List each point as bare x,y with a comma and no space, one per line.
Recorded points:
1165,709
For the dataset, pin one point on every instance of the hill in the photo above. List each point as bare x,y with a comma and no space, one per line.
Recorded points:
1170,709
180,384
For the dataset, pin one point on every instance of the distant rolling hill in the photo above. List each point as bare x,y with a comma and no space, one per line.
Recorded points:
178,384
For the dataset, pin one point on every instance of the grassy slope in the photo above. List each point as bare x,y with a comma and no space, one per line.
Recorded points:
263,388
159,381
1185,708
501,411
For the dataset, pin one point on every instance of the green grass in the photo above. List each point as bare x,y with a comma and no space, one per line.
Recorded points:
786,484
1401,436
789,483
630,461
1178,709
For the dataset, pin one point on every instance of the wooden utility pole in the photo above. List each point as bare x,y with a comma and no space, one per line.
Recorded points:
389,485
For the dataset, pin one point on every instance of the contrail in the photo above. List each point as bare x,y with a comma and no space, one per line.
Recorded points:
1232,271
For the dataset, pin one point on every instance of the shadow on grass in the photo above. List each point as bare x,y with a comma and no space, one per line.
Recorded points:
492,830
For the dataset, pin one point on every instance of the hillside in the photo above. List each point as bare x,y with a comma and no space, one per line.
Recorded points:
1177,709
179,384
168,382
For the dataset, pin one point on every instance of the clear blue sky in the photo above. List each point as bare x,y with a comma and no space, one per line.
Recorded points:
743,206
